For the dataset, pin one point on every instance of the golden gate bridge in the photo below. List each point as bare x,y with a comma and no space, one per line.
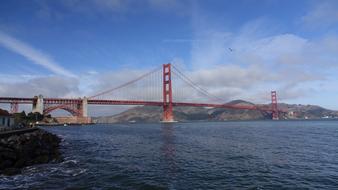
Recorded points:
165,86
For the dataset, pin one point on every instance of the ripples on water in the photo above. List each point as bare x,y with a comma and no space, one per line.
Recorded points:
228,155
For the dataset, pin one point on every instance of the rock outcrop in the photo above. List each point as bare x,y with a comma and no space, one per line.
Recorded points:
25,148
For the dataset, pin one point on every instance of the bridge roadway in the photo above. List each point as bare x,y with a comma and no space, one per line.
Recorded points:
155,103
58,101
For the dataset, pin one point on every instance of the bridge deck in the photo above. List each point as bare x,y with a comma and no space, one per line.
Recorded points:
7,100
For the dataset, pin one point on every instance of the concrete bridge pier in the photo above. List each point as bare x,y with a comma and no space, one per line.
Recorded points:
38,104
85,107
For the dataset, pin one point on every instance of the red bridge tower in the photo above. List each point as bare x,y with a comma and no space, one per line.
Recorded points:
167,94
274,108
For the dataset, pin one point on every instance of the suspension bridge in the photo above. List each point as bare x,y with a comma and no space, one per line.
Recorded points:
165,86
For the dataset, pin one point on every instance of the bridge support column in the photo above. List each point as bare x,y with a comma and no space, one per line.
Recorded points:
14,107
167,94
85,107
38,104
274,108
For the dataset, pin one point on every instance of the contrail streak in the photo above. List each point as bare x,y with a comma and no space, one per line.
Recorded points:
32,54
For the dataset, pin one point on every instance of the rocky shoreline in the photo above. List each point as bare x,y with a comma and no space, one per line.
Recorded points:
22,148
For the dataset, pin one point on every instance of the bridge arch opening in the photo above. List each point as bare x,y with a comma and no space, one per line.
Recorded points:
61,109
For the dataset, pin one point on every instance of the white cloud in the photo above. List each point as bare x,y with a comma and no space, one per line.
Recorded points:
324,13
48,86
275,47
260,60
32,54
230,76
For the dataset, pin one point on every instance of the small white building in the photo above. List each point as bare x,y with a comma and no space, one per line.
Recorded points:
6,120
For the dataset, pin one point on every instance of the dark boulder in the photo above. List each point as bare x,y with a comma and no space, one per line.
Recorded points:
27,148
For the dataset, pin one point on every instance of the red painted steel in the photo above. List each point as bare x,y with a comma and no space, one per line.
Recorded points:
124,102
167,94
153,103
8,100
62,102
71,108
274,108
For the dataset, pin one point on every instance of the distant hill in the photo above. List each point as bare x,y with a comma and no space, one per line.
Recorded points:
239,102
297,111
148,114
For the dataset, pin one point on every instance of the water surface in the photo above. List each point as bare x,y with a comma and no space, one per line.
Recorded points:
218,155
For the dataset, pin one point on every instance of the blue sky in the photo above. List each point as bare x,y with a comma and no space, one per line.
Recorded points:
80,47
